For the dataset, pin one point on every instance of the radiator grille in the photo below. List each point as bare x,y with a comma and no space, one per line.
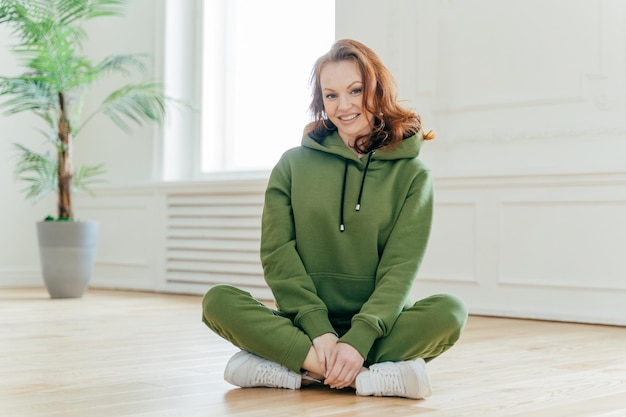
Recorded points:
214,238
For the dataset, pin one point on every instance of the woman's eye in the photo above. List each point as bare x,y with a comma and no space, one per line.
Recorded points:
331,96
357,91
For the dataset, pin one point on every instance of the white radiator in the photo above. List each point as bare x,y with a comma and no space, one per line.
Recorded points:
213,237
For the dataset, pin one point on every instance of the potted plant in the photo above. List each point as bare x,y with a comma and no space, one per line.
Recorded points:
58,75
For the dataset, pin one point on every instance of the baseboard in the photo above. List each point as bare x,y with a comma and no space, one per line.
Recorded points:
20,277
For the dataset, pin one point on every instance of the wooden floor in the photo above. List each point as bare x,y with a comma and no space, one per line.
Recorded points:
119,354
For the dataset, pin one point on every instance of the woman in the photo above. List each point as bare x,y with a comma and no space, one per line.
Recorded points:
346,220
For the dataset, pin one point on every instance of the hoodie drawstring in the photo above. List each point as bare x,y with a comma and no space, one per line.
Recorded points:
367,164
343,190
343,196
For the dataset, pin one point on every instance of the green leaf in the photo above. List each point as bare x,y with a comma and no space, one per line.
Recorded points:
137,103
121,63
37,170
86,176
28,94
72,10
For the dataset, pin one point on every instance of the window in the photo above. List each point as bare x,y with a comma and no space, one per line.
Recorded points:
258,57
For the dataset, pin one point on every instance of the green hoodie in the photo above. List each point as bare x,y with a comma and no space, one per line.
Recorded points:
355,282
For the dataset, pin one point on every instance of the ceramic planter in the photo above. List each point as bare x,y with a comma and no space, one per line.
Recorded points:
67,251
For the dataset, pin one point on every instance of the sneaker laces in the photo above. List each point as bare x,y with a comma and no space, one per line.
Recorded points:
387,381
271,374
307,377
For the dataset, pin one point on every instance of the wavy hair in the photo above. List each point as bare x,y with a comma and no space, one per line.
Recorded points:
392,122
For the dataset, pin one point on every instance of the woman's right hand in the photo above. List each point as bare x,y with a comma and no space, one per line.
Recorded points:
324,346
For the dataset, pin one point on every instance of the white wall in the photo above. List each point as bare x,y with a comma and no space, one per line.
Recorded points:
530,164
513,88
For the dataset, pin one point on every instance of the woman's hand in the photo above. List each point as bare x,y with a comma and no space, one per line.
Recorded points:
345,364
324,346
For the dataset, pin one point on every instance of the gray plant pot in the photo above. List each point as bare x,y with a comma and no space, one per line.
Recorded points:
67,251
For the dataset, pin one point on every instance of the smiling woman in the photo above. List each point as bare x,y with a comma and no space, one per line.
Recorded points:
255,73
341,276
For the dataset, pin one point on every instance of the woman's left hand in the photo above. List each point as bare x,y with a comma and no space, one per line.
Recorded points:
345,364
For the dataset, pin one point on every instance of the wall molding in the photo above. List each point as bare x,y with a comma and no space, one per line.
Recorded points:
531,181
444,108
539,313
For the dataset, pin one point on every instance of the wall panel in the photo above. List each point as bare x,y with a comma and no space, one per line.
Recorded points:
566,243
454,236
129,242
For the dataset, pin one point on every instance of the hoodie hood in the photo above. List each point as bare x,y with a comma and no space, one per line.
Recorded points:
333,144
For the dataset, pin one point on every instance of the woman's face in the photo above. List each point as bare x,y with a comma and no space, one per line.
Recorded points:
342,92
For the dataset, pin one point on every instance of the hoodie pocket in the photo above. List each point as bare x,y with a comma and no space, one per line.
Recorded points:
344,295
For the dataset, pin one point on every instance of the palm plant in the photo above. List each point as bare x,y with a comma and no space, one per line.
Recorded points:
57,79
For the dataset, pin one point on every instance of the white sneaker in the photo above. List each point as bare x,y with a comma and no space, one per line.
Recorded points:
395,379
247,370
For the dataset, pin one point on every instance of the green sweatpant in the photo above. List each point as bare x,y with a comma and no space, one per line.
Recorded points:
425,330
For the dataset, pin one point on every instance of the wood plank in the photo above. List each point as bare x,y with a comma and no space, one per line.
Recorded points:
134,354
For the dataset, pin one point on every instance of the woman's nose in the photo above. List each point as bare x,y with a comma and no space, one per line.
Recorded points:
344,102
